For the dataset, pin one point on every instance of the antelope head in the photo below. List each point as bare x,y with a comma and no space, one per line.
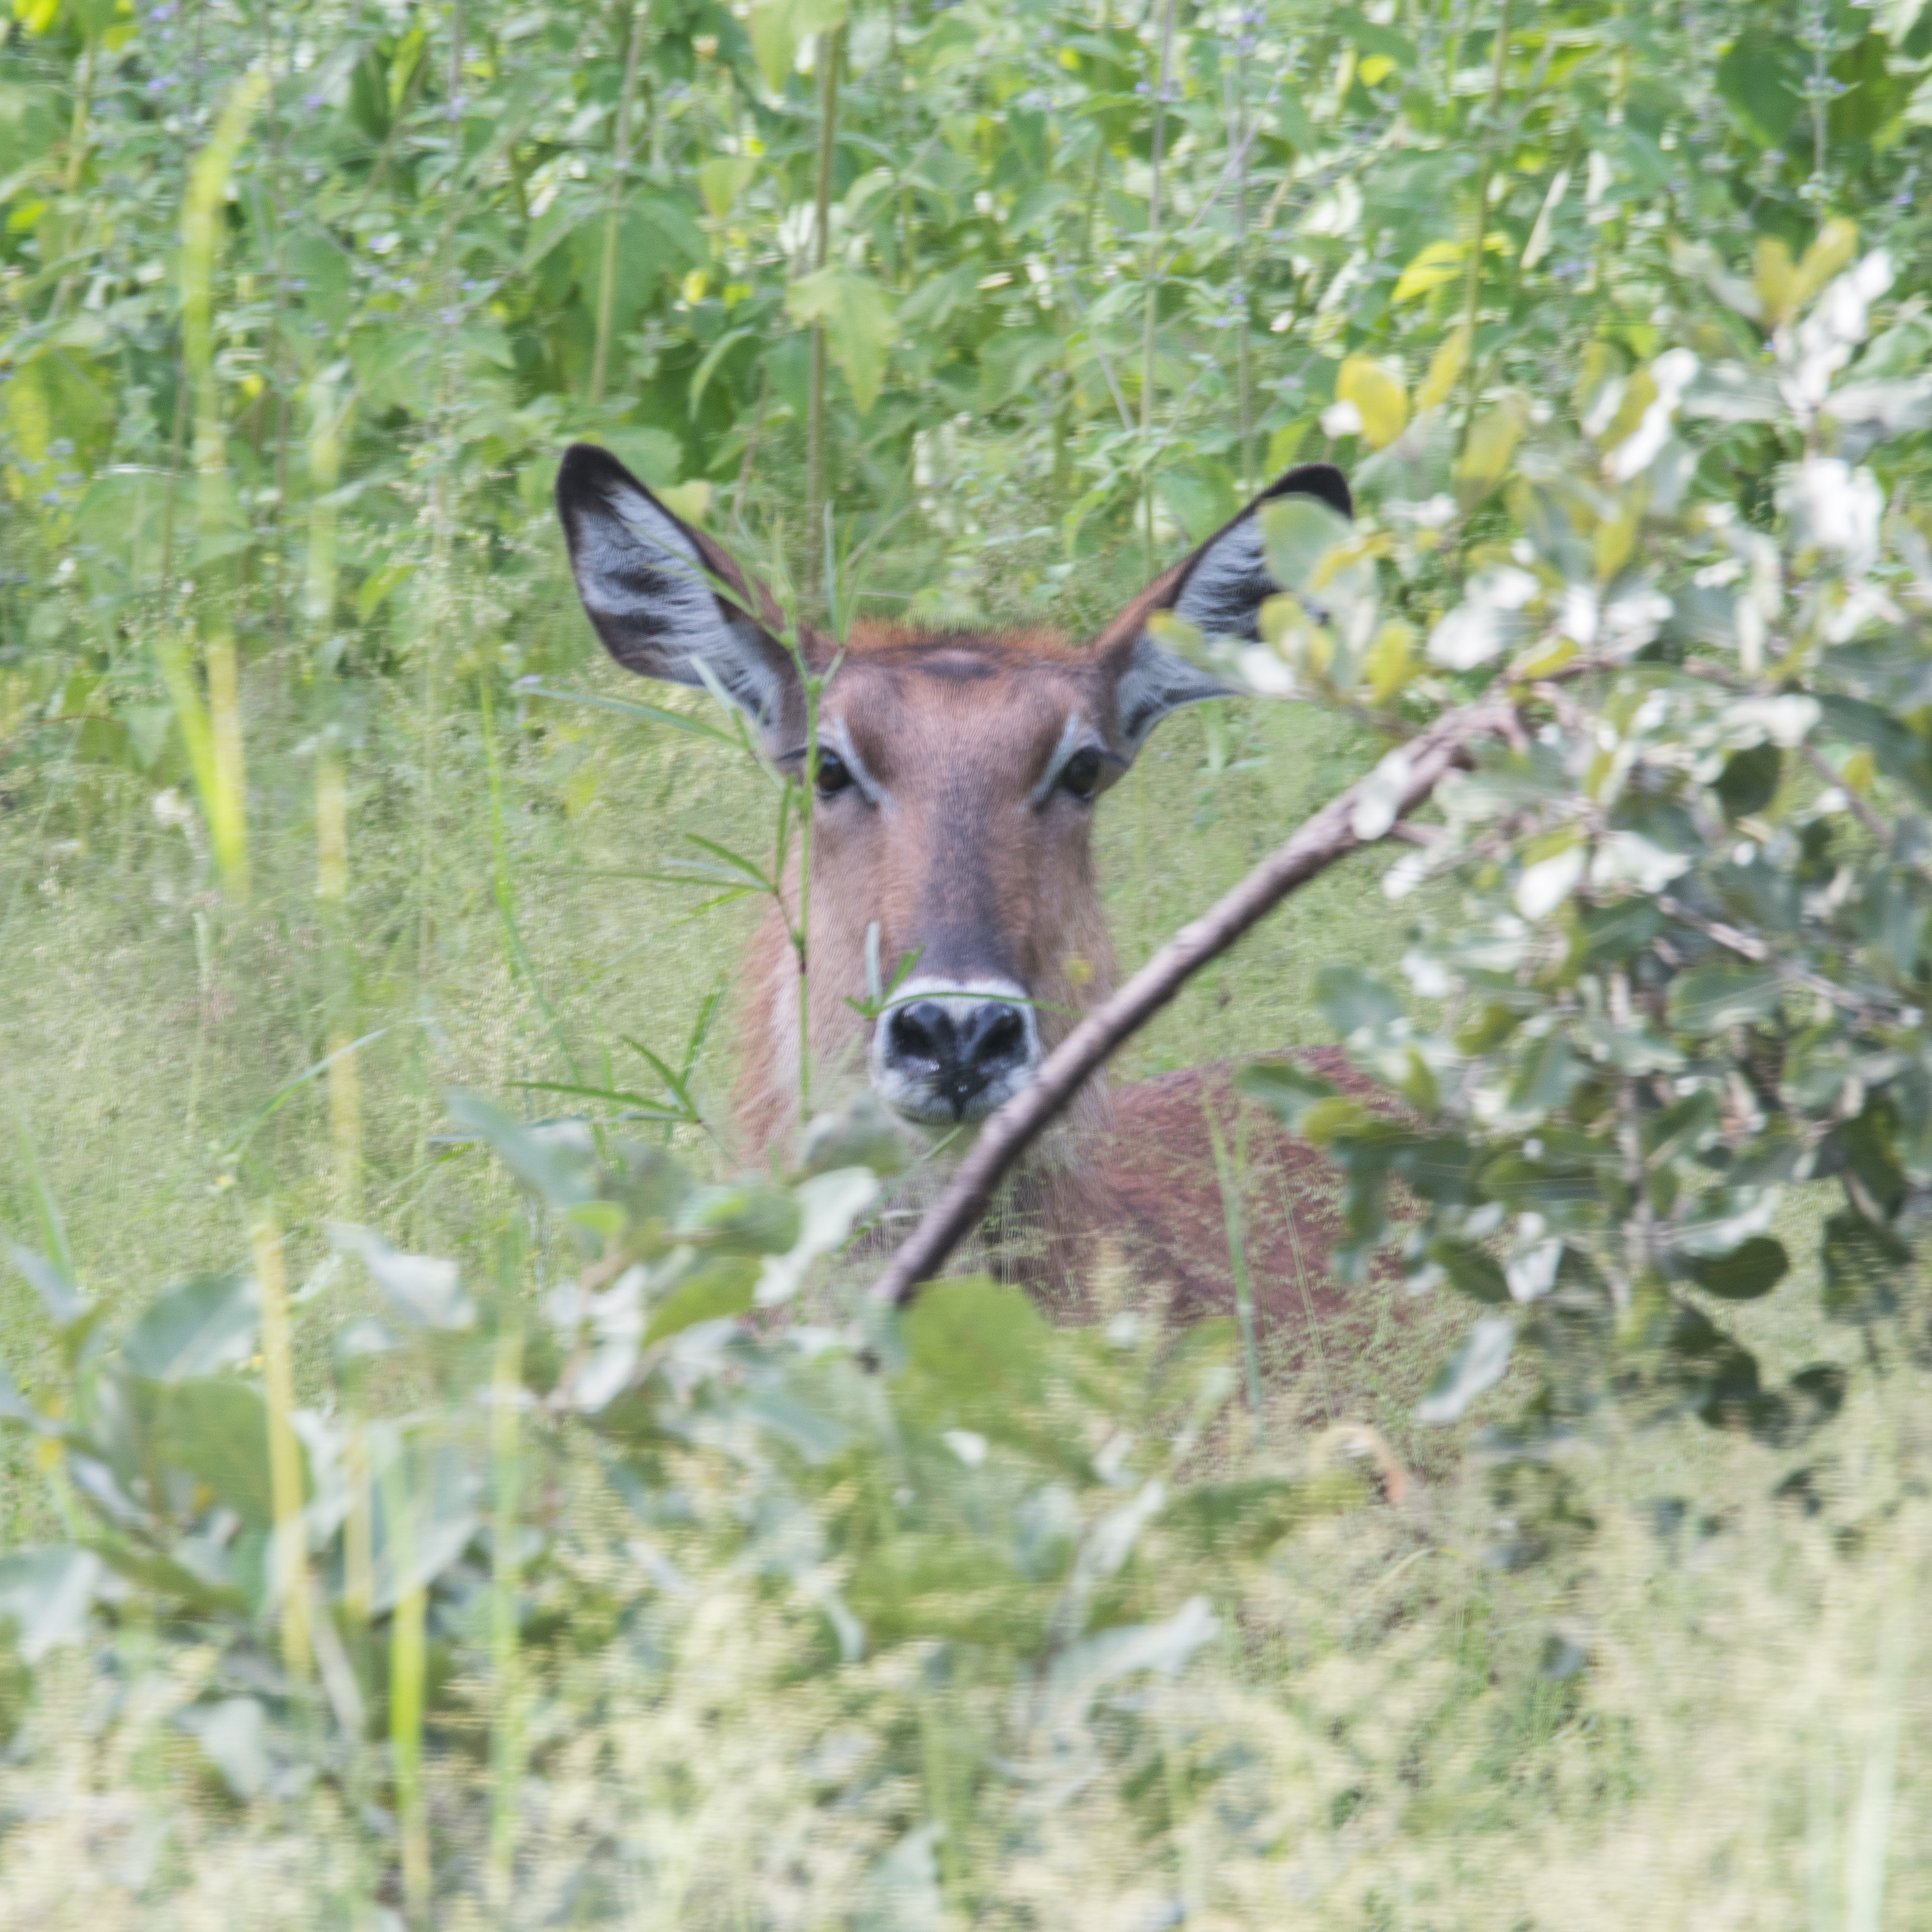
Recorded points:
956,779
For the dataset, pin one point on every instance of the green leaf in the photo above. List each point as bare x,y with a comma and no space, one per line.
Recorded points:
979,1353
756,1220
1745,1272
1299,533
725,1286
218,1431
1481,1362
66,1305
1862,1261
233,1735
722,180
857,319
424,1290
1084,1669
779,28
1371,38
651,714
194,1328
1477,1274
1762,79
1351,998
549,1164
1284,1089
1291,118
1708,999
1749,779
45,1595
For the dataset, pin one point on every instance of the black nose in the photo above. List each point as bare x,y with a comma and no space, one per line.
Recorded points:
957,1050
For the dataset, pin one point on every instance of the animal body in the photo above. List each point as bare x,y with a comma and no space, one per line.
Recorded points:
957,775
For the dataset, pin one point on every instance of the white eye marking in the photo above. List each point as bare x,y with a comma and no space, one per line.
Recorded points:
840,739
1074,737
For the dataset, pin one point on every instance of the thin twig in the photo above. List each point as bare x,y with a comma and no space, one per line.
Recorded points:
1329,836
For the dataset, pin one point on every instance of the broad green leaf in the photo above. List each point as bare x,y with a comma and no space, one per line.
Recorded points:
722,179
1486,451
1299,534
779,28
857,319
1445,366
1439,262
827,1205
1477,1272
66,1305
1862,1261
1284,1089
1481,1362
1351,997
1762,79
756,1219
554,1164
1744,1274
1084,1669
424,1290
218,1431
1292,119
233,1735
724,1287
195,1328
1708,999
1377,394
45,1595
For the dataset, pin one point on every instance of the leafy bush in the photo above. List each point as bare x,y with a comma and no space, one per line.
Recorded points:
629,1565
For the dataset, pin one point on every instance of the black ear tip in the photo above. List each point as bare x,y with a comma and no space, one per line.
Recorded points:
587,466
1316,479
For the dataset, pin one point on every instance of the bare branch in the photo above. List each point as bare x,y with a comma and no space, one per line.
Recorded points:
1323,839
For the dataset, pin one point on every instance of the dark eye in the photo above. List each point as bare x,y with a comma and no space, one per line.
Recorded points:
834,775
1081,774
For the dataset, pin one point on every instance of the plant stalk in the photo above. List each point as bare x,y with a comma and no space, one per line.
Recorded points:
1151,315
830,44
506,1735
285,1482
600,360
1473,282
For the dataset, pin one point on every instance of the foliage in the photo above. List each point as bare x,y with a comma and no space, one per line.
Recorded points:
1686,972
610,1558
1036,1502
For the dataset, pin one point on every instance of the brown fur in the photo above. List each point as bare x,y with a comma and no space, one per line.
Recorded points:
959,728
958,841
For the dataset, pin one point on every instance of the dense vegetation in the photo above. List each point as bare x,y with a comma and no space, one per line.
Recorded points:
627,1565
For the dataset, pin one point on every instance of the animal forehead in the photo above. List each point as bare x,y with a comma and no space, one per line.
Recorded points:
958,698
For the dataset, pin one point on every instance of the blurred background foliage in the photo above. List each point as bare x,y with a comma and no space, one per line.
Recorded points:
551,1583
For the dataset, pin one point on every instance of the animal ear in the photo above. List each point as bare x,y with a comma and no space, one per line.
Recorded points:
1220,589
665,598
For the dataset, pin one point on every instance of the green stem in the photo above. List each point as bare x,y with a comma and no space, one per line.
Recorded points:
1231,1179
506,1737
1472,288
1151,314
607,281
829,46
1243,375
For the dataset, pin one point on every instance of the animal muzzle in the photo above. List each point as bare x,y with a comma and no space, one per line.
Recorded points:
946,1051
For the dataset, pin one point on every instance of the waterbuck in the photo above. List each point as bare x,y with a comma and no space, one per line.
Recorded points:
956,777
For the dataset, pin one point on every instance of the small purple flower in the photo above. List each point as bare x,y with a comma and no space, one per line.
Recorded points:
312,101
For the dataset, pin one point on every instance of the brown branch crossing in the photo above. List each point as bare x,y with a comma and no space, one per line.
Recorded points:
1331,834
